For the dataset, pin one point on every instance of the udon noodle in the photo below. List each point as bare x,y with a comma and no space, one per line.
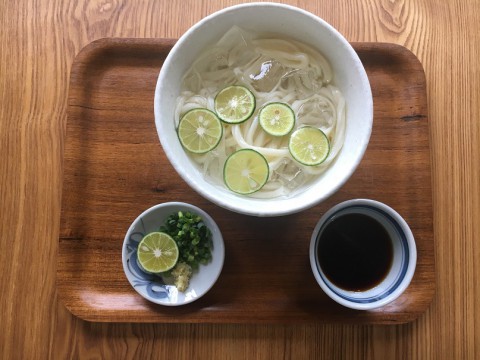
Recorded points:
275,70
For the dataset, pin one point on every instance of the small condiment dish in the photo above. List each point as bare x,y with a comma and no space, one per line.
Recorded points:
151,286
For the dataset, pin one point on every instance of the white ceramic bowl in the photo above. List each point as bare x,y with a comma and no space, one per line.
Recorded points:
284,20
404,260
152,287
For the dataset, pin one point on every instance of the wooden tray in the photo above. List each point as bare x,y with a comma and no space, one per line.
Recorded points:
115,168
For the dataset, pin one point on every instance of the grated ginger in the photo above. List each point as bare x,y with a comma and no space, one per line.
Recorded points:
181,275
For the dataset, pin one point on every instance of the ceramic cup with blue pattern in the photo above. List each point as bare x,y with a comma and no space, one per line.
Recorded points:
403,263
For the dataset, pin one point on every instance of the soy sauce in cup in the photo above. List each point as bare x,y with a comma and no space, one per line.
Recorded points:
355,252
362,254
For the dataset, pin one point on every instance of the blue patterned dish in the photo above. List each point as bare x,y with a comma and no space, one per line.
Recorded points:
155,288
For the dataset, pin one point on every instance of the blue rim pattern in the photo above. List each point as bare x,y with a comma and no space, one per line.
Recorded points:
404,260
154,285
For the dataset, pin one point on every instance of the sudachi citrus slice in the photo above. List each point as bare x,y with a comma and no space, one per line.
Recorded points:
245,171
200,130
309,145
157,252
277,119
234,104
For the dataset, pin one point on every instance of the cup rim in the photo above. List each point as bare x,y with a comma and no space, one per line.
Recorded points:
405,275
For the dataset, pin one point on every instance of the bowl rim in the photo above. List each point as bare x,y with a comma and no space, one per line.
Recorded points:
280,206
410,266
215,230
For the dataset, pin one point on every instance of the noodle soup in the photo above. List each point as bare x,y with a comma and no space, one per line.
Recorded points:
274,69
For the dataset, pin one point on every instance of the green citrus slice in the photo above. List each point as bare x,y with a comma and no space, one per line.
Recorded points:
200,130
309,145
157,252
245,171
277,119
234,104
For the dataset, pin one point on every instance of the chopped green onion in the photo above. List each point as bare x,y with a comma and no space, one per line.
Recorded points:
193,238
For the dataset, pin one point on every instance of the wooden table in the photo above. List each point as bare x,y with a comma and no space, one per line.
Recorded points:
39,41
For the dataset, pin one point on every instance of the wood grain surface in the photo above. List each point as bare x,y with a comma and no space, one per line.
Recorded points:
115,168
38,42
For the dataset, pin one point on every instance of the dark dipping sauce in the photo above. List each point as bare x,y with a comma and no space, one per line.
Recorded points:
355,252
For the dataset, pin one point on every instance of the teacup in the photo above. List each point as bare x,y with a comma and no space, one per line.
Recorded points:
363,254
